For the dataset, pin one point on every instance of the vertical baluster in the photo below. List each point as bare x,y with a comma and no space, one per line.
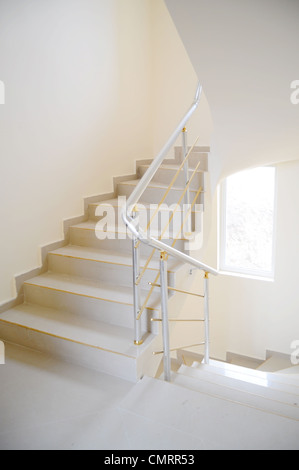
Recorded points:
136,287
207,319
165,323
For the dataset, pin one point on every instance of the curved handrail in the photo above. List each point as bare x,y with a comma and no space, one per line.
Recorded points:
143,184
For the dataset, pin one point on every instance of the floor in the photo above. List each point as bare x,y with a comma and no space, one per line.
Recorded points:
47,404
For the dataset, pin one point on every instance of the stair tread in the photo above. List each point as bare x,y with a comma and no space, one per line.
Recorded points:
90,288
232,393
117,202
267,392
71,327
154,184
169,166
109,256
222,423
91,225
250,375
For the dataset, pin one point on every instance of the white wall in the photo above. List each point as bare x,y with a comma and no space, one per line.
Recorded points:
91,87
251,316
175,82
78,112
245,55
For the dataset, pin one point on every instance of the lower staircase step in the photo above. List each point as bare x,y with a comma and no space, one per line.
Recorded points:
114,267
208,421
264,379
252,395
100,346
87,288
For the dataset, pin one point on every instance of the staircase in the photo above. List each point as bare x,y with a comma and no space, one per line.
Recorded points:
221,406
107,297
81,308
274,393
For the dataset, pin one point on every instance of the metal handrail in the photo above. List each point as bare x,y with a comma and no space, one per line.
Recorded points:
127,213
129,219
169,222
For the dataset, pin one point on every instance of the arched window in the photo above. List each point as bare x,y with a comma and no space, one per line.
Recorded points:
247,223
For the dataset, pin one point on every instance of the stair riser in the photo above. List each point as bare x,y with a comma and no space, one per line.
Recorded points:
145,212
82,355
194,158
94,309
165,176
155,195
250,400
158,223
116,274
268,393
81,237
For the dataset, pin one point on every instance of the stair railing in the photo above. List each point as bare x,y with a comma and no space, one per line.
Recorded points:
139,236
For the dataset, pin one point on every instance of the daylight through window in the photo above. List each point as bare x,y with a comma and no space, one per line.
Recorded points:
247,221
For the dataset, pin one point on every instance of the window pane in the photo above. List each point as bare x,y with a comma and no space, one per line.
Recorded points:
249,220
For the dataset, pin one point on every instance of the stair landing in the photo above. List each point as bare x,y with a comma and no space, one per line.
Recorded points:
211,421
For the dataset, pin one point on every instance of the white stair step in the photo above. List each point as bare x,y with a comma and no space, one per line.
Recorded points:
275,363
84,234
88,298
96,345
285,393
294,370
198,154
116,203
146,213
73,328
155,192
166,174
264,379
110,257
105,265
84,287
249,394
209,422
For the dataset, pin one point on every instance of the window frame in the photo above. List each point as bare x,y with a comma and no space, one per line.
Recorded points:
238,271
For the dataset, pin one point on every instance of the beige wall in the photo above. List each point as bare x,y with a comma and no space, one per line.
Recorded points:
77,113
91,86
